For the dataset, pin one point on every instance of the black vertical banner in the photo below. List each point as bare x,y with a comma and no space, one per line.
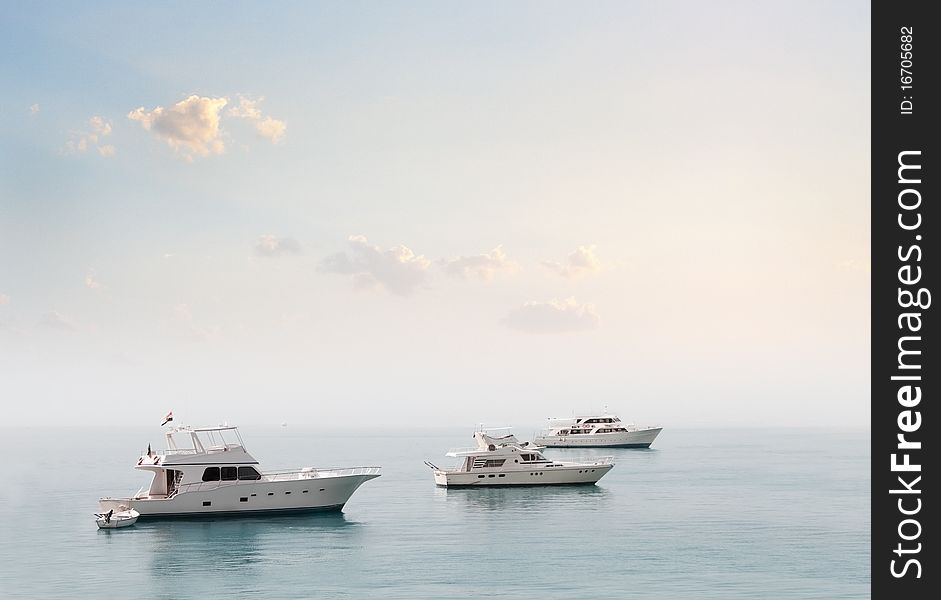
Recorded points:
906,164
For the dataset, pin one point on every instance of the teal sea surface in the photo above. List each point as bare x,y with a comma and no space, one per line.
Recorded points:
708,513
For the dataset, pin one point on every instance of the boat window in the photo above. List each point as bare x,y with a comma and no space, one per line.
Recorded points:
248,473
229,473
533,458
564,432
481,463
211,474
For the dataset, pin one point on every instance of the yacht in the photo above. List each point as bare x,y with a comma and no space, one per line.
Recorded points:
503,461
595,431
208,471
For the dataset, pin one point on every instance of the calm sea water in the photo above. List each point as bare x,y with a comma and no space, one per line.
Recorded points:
705,514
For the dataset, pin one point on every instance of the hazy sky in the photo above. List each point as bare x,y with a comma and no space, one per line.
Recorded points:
435,213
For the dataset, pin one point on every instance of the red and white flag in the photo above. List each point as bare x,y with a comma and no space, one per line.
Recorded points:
167,418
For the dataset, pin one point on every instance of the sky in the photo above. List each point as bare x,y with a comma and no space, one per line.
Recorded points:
422,214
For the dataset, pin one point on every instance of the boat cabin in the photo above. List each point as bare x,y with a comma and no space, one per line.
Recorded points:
210,455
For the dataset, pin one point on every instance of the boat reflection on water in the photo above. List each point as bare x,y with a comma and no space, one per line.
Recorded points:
181,547
628,458
528,499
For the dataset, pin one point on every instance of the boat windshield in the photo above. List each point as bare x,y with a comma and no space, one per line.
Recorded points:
188,440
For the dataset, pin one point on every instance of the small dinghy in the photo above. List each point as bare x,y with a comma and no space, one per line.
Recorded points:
114,520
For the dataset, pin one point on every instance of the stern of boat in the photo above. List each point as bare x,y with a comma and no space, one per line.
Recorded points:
115,504
441,478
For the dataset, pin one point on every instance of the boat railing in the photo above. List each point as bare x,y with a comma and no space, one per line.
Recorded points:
199,486
314,473
601,460
274,476
207,450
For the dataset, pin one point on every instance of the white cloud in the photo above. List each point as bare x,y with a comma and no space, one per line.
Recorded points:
246,109
33,110
91,280
98,129
398,269
267,127
271,129
482,266
4,299
190,127
582,261
272,246
56,320
555,316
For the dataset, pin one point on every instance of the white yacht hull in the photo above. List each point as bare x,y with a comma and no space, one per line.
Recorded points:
641,438
247,497
580,474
